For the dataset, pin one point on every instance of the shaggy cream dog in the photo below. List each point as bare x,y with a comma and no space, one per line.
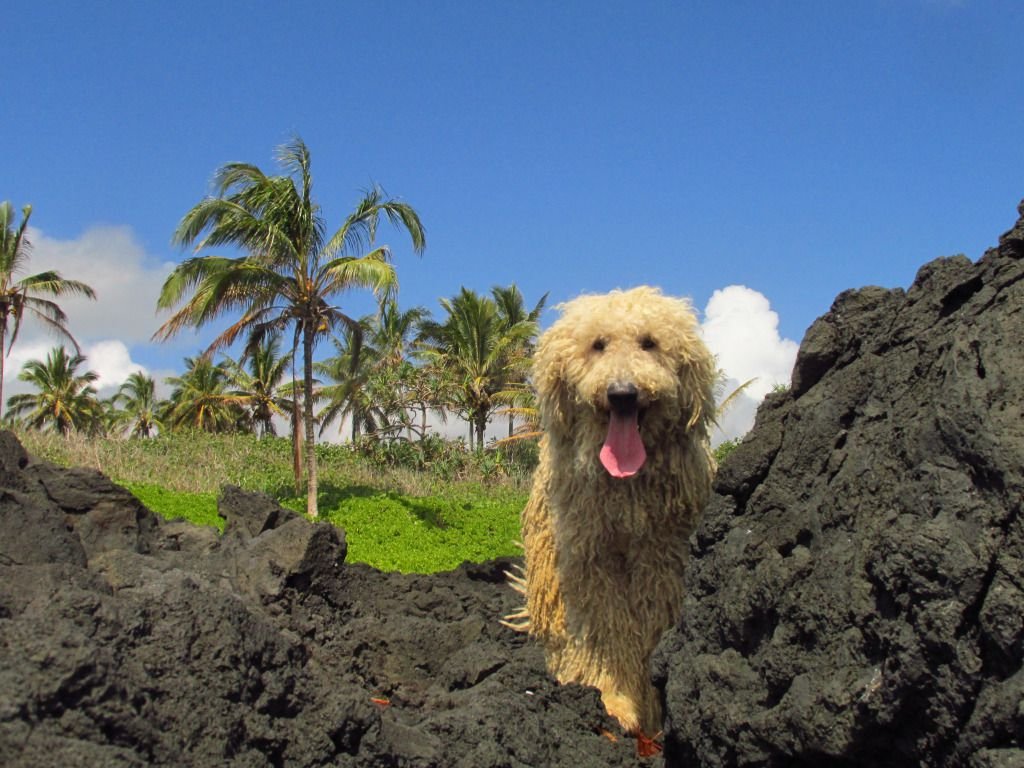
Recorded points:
624,386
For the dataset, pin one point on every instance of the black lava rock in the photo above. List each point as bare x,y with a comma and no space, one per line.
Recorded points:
856,590
128,641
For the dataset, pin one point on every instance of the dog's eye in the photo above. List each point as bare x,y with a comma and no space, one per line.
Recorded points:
598,345
647,343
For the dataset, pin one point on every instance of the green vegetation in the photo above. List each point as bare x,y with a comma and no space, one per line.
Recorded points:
199,508
289,278
423,509
486,343
65,399
425,534
725,448
20,298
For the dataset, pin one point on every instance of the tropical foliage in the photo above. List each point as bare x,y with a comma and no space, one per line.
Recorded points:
259,379
484,343
291,272
135,406
65,399
25,296
202,398
377,383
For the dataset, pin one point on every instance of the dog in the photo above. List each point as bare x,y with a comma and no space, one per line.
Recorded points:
625,389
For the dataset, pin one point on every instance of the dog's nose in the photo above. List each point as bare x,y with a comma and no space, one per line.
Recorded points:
622,397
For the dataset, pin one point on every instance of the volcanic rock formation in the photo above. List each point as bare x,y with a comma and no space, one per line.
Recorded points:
129,641
856,591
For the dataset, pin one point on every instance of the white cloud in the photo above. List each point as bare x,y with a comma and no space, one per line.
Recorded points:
742,330
21,353
112,361
109,358
126,280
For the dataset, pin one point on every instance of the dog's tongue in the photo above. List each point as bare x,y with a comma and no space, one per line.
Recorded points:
623,451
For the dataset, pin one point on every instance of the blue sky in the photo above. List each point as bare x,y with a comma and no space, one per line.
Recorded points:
795,149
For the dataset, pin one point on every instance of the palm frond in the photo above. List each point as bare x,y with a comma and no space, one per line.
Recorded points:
49,314
359,230
726,403
14,246
52,283
373,271
232,175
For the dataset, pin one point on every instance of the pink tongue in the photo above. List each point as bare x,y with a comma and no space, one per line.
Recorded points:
623,451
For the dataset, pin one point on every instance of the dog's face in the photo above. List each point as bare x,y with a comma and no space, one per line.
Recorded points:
620,372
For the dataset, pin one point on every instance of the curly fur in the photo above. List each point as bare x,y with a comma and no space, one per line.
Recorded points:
605,555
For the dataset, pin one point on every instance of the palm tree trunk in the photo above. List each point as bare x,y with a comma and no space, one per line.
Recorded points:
307,381
3,337
296,441
481,426
3,356
296,430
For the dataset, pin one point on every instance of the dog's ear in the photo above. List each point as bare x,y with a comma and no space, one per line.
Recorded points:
697,375
554,394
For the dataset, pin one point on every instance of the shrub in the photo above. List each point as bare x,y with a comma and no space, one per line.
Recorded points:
725,448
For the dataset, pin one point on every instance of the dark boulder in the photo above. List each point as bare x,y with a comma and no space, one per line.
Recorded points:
129,641
856,590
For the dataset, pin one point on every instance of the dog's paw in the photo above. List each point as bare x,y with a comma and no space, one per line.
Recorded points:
623,708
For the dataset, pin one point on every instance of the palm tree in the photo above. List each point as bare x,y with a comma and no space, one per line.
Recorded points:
375,384
512,310
512,306
137,407
520,402
201,398
394,332
482,353
291,271
20,297
65,401
430,388
382,371
349,372
260,384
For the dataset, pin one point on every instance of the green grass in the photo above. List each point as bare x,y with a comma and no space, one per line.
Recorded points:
385,529
395,532
199,508
395,518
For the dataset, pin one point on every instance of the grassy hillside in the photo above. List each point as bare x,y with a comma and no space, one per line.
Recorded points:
454,507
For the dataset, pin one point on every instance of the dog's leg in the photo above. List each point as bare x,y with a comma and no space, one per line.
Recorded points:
624,709
544,604
622,678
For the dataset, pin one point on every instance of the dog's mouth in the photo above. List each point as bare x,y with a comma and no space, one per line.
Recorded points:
623,452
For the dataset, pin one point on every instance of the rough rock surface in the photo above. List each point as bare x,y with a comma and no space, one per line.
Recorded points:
856,590
128,641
